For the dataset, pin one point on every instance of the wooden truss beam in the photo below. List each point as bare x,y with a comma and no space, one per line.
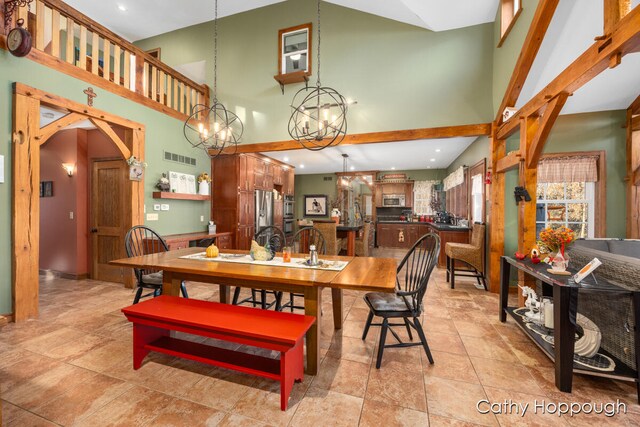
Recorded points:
614,10
378,137
635,106
541,20
635,123
539,139
624,39
49,130
508,162
108,131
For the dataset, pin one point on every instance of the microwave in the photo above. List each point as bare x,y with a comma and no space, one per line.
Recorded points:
393,200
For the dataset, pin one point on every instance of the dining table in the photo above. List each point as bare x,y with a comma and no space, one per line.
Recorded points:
360,274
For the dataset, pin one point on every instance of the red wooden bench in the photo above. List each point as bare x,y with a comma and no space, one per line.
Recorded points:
284,332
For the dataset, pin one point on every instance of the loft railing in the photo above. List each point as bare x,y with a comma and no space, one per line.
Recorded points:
66,36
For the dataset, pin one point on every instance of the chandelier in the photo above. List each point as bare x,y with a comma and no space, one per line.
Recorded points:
319,117
213,128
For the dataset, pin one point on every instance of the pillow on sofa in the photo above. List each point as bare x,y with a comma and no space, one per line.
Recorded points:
630,248
597,244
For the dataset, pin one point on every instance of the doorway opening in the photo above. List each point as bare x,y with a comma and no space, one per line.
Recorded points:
29,137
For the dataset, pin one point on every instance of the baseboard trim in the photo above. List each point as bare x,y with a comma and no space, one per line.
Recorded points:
8,318
61,275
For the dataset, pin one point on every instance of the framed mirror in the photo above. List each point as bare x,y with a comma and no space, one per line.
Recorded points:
356,195
294,49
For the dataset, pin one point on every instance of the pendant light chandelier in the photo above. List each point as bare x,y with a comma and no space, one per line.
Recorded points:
213,128
319,117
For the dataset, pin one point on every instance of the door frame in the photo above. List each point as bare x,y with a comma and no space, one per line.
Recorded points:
27,137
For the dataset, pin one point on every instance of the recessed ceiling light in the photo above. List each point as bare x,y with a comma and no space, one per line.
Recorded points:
286,159
122,8
437,150
352,168
428,167
433,160
393,168
301,166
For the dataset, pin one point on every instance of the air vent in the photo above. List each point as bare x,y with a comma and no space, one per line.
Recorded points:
178,158
328,178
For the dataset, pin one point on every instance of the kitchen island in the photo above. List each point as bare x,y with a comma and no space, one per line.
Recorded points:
403,234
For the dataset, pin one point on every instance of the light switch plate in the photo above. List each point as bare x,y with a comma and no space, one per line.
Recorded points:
156,207
164,207
201,218
1,168
152,217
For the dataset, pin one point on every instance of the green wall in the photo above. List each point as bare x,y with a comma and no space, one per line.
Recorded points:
162,133
402,76
478,150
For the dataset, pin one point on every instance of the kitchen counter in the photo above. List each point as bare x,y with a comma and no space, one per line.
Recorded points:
437,226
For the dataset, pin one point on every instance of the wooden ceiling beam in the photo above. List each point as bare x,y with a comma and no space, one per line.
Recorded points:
624,39
49,130
376,137
543,129
541,20
614,11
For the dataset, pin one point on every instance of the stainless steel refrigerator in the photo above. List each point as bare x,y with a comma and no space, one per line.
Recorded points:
264,209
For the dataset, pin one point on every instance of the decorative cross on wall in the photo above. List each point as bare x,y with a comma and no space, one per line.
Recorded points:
90,95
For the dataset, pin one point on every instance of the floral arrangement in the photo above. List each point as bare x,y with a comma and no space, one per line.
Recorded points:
132,161
554,240
204,177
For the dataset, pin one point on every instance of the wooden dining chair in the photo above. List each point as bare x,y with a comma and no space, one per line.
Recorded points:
275,238
141,240
412,279
301,241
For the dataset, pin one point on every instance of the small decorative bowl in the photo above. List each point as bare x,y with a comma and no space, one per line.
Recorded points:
270,255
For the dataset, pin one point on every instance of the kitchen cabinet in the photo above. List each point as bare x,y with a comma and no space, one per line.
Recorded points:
405,188
278,213
235,179
405,235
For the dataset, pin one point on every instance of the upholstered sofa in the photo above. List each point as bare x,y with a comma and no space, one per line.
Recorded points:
612,312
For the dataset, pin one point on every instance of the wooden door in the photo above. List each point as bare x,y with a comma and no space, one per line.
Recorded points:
108,219
278,213
290,182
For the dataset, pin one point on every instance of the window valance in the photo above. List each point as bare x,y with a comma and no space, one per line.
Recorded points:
568,169
454,179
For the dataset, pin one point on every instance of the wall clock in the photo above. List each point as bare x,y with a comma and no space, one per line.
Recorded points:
19,40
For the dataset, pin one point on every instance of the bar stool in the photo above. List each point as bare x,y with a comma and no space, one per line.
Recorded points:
471,254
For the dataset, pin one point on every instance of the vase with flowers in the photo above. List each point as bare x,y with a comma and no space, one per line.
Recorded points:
203,184
555,241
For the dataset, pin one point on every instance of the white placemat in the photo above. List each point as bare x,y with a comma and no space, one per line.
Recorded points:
275,262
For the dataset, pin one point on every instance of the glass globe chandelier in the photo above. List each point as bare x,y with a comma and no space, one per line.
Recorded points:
319,117
214,128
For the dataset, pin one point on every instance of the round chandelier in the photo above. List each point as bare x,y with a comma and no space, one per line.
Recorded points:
214,128
319,117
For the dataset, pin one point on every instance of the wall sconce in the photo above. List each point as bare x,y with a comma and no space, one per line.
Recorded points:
69,168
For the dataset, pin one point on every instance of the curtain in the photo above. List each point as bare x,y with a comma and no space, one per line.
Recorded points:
422,197
476,198
454,179
568,169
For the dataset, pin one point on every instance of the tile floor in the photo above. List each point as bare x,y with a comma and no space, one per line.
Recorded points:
72,366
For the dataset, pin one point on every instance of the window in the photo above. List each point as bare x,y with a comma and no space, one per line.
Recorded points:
294,49
477,196
570,204
509,12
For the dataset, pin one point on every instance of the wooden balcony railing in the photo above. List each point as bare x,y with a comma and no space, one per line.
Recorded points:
71,42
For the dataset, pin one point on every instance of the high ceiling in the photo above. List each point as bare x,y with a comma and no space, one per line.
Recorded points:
147,18
409,155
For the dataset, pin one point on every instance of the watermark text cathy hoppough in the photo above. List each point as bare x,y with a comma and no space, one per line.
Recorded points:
540,407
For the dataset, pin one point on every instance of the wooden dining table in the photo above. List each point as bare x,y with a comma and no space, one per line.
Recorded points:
360,274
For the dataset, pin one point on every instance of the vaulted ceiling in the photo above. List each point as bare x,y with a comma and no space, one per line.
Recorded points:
147,18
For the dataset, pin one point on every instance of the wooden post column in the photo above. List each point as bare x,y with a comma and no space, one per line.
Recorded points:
528,178
25,206
496,212
633,174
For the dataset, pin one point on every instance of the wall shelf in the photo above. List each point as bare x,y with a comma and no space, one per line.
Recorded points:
178,196
289,78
